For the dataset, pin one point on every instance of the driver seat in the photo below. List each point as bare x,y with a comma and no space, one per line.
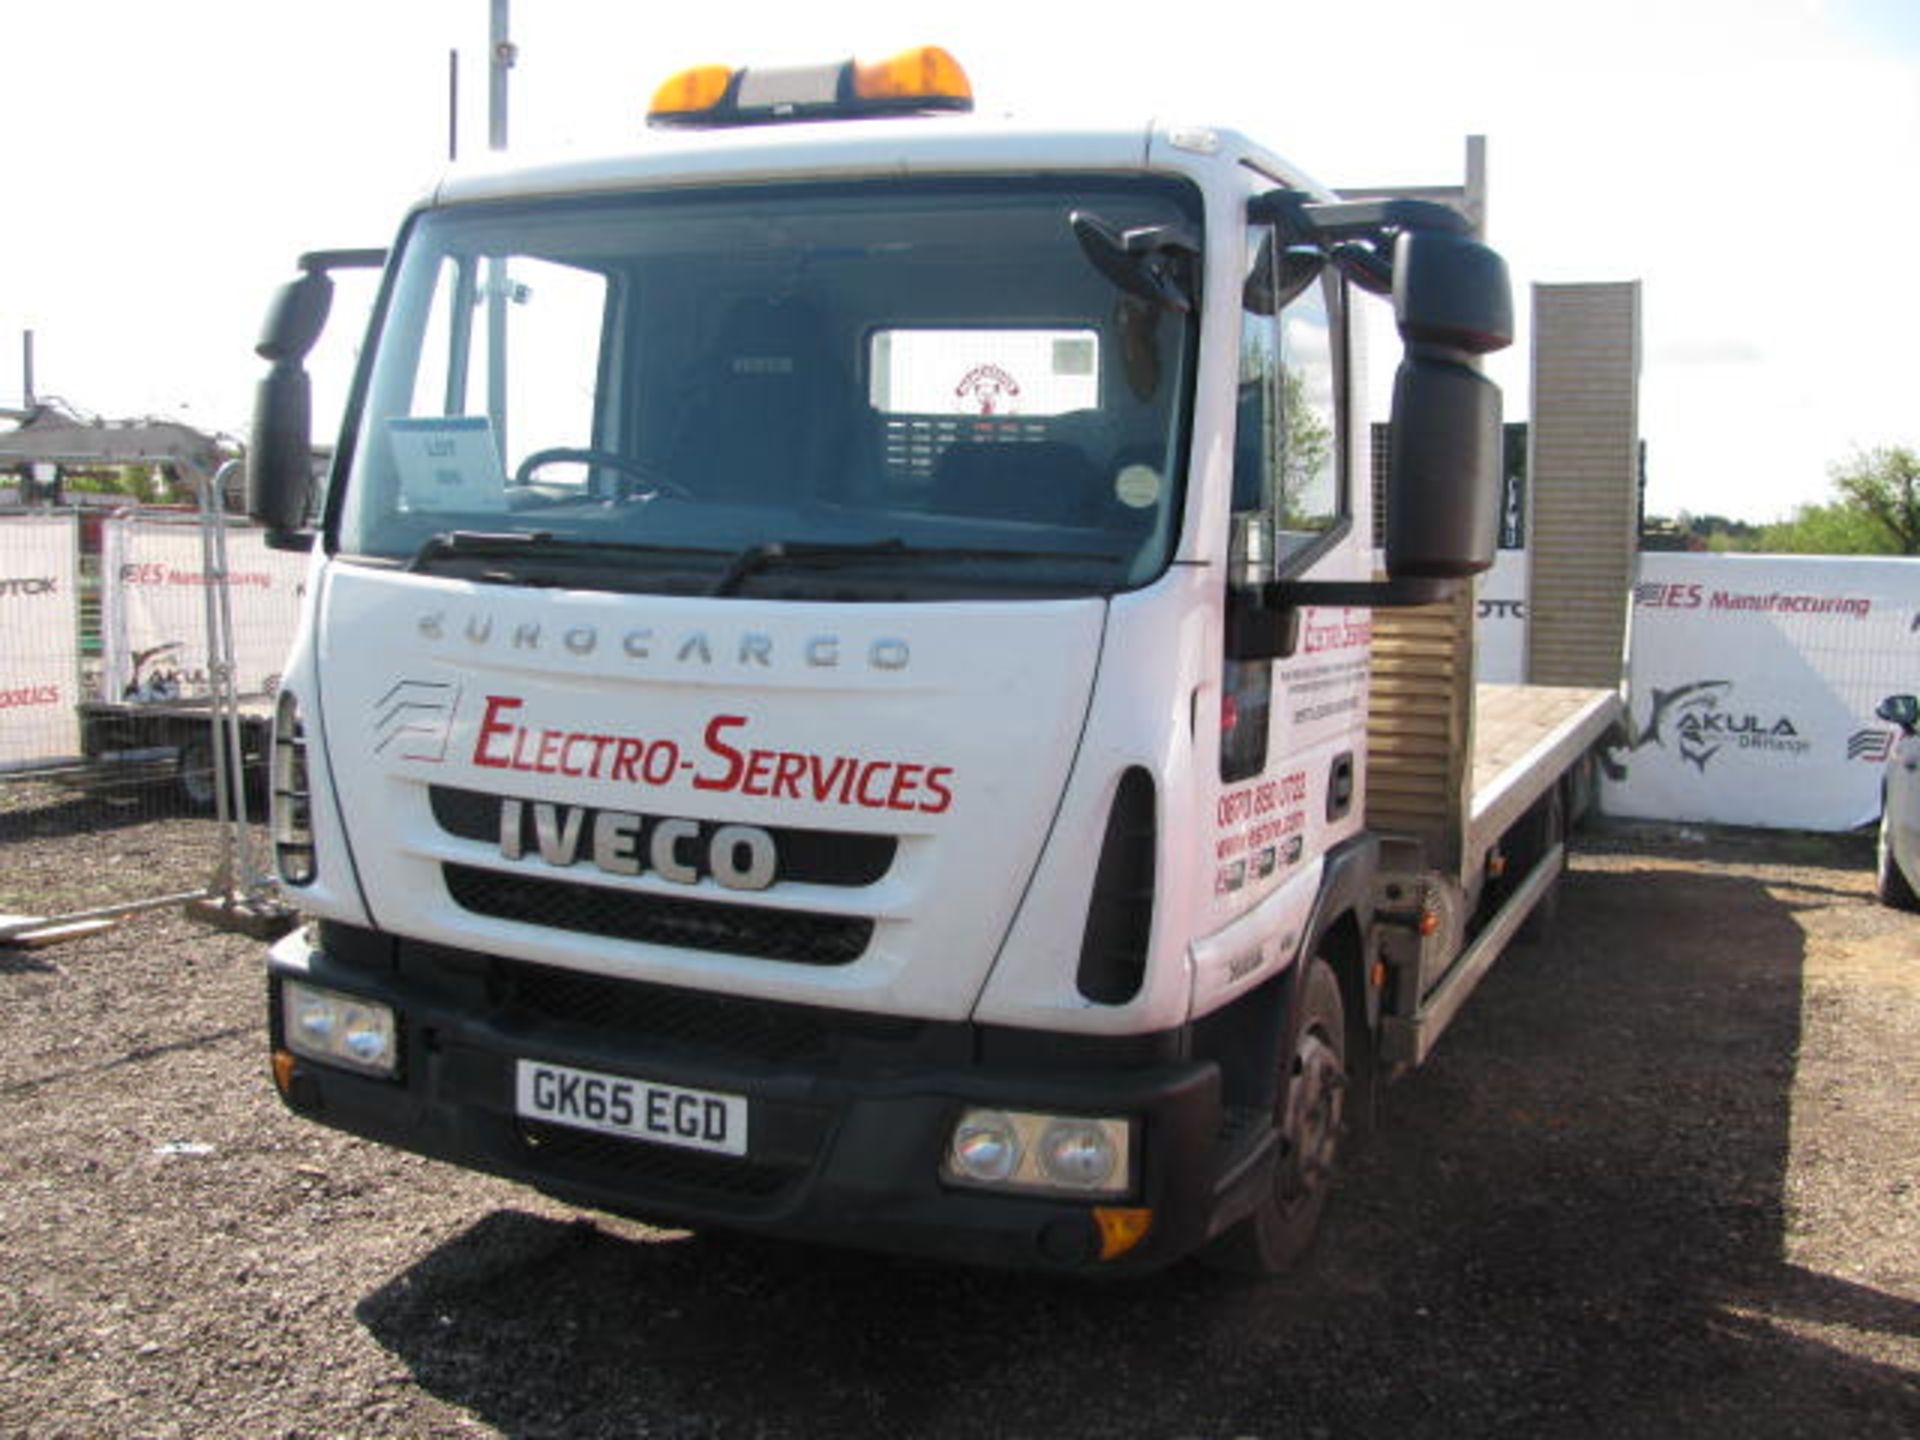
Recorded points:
771,412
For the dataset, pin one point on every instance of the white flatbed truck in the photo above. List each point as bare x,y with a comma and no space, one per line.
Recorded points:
849,688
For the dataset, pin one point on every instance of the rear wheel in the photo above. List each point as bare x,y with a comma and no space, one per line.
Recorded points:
1311,1121
1889,884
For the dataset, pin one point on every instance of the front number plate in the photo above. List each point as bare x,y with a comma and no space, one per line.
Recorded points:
630,1108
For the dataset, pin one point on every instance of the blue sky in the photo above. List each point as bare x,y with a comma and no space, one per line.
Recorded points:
1747,160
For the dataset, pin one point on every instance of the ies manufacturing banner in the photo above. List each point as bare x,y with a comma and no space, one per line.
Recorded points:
1752,682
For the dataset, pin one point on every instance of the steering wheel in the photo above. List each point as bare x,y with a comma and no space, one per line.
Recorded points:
650,485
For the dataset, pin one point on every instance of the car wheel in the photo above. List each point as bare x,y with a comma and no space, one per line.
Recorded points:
1889,884
194,772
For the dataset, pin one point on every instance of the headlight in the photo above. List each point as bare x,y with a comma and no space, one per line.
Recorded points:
338,1029
986,1148
1018,1151
1078,1153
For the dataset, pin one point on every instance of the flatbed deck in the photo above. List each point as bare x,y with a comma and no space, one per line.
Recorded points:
1524,739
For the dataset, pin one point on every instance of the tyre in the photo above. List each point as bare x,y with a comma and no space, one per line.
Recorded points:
1311,1122
194,771
1889,884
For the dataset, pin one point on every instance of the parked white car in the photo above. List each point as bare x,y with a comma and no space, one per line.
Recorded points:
1897,856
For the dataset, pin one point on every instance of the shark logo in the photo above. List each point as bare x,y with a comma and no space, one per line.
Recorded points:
1701,723
413,720
1687,706
159,682
1695,708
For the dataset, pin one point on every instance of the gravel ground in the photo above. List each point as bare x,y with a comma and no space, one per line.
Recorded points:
1659,1180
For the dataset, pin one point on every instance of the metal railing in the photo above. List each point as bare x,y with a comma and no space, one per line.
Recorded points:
145,797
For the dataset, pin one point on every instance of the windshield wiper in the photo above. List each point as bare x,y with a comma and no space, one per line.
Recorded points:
529,545
830,554
477,543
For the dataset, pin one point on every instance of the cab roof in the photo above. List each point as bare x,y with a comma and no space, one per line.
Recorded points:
867,149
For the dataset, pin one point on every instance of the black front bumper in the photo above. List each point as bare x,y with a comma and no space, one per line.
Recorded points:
849,1115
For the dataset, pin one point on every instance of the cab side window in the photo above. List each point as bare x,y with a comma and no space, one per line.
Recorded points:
1288,478
1311,491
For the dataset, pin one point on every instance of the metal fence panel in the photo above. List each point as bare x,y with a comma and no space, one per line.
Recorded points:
158,739
39,638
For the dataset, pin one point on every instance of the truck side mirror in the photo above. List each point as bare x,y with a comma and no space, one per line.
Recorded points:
1451,290
1901,710
1453,303
280,450
1443,499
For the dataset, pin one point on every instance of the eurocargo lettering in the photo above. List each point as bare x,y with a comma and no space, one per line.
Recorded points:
864,726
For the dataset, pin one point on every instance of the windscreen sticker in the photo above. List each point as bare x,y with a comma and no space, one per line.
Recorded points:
987,389
446,464
1137,487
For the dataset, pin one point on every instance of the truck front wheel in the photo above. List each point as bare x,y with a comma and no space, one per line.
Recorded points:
1310,1122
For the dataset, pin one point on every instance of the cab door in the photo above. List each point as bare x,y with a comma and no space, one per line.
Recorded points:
1291,728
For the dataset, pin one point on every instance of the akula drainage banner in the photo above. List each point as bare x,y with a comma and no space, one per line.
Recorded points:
1752,686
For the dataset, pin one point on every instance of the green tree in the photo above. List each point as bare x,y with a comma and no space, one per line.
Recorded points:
133,481
1884,485
1307,462
1837,529
1876,511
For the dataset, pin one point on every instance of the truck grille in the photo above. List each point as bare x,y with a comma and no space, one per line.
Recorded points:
693,1018
796,936
808,857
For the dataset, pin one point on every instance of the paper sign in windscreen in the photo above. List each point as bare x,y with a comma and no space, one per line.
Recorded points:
448,463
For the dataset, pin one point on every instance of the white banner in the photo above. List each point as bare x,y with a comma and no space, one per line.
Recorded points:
1500,639
1753,681
154,609
39,638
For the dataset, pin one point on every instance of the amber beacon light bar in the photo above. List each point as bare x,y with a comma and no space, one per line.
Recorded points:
915,82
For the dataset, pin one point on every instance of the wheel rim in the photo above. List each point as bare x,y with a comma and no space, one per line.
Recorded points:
1314,1112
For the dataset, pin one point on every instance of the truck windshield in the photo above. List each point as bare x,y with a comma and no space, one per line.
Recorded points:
909,390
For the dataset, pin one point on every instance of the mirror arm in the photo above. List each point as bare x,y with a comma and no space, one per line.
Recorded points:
1263,621
1306,221
322,260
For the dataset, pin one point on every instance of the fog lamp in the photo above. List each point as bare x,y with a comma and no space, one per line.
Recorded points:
337,1029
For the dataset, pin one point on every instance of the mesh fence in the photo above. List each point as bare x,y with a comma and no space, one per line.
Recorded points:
124,635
